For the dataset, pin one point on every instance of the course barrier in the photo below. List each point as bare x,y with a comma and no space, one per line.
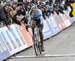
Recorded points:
17,38
13,40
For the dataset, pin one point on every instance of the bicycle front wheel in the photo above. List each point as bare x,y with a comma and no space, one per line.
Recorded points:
37,43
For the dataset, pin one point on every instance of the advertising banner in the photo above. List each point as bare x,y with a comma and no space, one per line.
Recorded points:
27,34
47,32
12,41
52,23
59,21
65,20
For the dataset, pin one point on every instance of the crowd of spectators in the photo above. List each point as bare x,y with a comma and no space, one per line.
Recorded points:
18,12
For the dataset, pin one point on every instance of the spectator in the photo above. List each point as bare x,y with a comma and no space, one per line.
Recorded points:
5,16
20,15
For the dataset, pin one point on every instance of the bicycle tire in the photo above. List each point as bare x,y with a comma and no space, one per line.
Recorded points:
37,43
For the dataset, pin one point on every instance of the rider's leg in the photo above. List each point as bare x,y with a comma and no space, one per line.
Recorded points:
41,38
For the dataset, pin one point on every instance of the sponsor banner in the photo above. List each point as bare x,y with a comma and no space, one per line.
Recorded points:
27,34
52,23
65,20
67,13
4,55
47,31
72,19
11,41
59,21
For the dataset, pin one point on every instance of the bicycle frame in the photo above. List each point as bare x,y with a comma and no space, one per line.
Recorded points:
36,39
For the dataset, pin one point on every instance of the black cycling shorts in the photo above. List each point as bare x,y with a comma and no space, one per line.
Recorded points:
38,22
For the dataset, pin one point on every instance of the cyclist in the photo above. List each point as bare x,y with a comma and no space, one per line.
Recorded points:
36,15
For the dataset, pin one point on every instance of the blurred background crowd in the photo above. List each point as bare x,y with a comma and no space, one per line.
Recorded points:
16,11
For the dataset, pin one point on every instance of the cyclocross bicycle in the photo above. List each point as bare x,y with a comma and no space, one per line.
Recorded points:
36,38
